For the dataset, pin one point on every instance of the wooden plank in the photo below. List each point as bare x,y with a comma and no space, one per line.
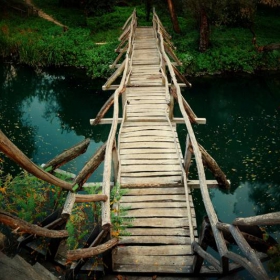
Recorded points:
152,260
147,151
139,175
149,161
163,250
147,139
158,231
154,240
163,197
133,182
152,269
145,132
157,212
146,205
160,191
146,145
151,156
145,128
150,168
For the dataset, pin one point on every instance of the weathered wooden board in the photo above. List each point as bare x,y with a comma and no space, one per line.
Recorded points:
148,156
154,240
158,145
149,161
147,205
134,182
152,260
157,212
152,268
157,231
148,139
163,250
160,191
163,197
142,174
147,151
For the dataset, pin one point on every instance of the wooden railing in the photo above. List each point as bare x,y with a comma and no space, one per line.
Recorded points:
251,263
127,36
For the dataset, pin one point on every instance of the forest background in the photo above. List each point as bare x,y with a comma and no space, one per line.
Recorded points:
212,37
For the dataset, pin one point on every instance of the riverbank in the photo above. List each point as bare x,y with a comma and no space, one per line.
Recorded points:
89,42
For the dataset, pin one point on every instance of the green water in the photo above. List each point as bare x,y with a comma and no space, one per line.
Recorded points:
47,111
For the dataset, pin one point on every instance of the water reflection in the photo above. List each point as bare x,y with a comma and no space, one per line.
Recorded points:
46,112
243,135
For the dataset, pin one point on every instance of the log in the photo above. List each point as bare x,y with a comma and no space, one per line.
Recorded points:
73,255
90,166
22,226
68,205
114,76
266,219
269,48
14,153
246,249
105,108
214,168
90,197
187,107
68,155
209,258
181,77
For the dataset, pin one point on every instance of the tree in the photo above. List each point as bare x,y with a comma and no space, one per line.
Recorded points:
173,16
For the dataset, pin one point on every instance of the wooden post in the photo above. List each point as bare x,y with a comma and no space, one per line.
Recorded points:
115,161
171,107
188,156
68,205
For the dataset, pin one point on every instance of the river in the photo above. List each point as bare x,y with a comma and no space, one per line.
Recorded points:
47,111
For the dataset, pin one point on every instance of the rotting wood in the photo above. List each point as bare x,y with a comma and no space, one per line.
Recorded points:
68,155
14,153
22,226
91,166
73,255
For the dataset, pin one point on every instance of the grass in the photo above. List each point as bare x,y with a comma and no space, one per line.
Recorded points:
37,42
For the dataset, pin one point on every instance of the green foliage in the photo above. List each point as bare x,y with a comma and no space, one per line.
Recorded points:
27,197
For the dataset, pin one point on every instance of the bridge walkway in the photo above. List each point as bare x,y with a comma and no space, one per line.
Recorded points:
151,172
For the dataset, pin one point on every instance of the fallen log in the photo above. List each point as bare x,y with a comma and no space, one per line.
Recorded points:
68,155
22,226
14,153
90,166
73,255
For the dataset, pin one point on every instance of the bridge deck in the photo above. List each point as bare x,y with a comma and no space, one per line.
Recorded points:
151,172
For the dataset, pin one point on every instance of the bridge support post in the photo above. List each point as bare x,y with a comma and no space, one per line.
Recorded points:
188,155
115,162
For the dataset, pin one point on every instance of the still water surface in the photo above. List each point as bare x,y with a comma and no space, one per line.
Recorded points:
47,111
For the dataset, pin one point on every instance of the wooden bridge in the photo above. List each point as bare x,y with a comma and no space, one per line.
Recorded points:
147,164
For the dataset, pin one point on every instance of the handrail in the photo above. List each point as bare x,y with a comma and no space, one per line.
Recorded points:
202,179
106,218
221,245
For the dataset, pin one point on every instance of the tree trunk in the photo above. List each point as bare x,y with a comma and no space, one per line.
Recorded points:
204,31
148,9
173,15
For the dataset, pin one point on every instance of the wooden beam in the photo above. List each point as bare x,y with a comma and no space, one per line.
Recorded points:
175,120
114,87
266,219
